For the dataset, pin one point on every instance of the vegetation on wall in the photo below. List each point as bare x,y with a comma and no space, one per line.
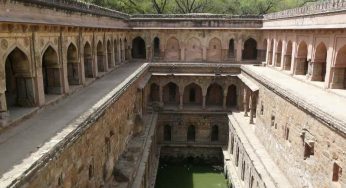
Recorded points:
235,7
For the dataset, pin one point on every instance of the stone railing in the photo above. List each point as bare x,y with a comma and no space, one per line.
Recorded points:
78,6
314,8
194,16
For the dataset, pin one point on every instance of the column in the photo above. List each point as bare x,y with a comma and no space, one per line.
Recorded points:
251,107
161,95
181,101
239,51
204,101
224,103
246,101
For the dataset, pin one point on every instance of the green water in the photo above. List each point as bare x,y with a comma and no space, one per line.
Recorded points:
190,176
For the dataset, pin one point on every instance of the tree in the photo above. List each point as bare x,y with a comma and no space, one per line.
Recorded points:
159,6
234,7
192,6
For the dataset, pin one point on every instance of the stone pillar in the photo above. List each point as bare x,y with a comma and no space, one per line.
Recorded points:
224,103
239,48
161,95
181,101
253,106
204,101
204,54
246,101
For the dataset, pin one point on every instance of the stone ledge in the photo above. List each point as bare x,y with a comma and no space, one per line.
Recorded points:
78,6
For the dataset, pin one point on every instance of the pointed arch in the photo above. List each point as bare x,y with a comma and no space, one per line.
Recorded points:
109,54
214,95
156,44
19,84
232,98
231,49
73,66
191,133
100,57
193,95
194,50
250,49
214,52
214,133
339,70
319,65
88,66
138,48
270,54
288,56
171,94
278,54
172,51
51,71
167,133
154,93
301,67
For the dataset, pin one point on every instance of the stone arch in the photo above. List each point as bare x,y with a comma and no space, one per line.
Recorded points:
138,48
319,65
88,64
109,54
19,83
231,49
73,70
288,56
232,98
172,51
214,52
154,95
167,133
171,94
51,72
193,95
301,67
278,54
214,95
271,52
214,136
339,70
194,50
191,133
250,49
100,57
156,44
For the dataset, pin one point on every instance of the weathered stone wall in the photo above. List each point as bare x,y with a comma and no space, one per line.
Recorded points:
303,147
203,124
87,156
176,154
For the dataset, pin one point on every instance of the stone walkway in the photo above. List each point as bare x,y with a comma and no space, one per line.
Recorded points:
261,159
326,105
18,142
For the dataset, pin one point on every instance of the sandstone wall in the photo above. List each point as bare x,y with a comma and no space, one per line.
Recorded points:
287,131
